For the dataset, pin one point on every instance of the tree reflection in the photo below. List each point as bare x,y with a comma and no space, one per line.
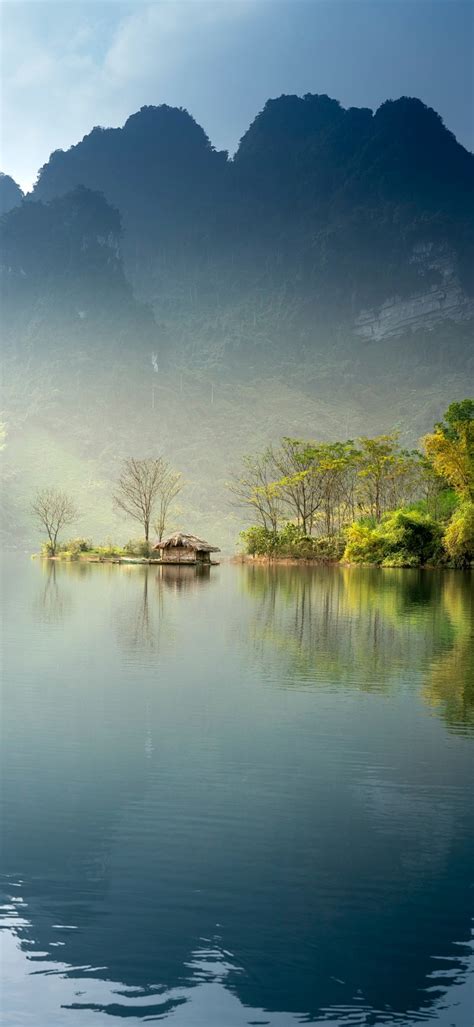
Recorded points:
449,686
368,628
52,604
139,621
145,618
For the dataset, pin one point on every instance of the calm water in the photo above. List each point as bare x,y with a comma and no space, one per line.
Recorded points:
245,798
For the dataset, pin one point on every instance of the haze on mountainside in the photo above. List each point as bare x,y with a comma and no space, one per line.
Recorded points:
159,297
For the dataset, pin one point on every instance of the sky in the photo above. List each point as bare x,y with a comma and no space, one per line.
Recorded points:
68,66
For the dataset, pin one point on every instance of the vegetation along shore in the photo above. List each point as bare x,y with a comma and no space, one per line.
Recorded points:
363,501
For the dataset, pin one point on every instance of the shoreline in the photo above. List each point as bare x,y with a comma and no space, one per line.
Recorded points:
237,559
141,561
295,561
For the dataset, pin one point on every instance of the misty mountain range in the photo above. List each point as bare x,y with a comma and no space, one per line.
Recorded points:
159,296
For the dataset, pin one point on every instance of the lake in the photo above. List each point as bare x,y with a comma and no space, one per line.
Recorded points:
236,797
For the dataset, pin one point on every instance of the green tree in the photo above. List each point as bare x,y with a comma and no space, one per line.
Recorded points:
300,484
388,476
450,448
337,466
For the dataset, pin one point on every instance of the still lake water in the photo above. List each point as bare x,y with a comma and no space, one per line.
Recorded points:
240,798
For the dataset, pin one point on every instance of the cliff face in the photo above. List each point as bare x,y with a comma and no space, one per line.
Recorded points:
442,300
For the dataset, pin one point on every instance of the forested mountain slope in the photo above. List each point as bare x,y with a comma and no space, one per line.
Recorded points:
10,193
158,296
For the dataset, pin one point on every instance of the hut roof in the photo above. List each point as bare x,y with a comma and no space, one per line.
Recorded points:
178,540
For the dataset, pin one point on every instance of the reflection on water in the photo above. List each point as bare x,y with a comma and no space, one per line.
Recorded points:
239,797
52,601
364,626
206,998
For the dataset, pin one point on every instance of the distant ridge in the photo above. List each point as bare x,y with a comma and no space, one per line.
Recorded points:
10,193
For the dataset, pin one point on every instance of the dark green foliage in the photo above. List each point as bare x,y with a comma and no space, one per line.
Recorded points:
259,541
458,418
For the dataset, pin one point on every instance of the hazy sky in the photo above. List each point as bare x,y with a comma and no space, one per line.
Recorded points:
68,66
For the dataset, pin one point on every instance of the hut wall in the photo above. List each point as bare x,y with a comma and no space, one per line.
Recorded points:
202,556
178,554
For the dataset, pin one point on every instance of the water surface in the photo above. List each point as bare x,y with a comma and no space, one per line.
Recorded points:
240,797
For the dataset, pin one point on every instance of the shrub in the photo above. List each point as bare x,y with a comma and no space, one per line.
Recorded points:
364,544
258,541
459,536
401,559
290,536
108,549
290,542
413,533
136,547
329,547
404,538
76,546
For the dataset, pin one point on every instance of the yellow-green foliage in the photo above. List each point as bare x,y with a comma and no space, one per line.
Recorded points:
364,544
404,538
76,546
290,542
107,550
459,535
450,448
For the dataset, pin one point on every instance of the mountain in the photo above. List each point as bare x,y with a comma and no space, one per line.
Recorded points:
319,283
347,204
10,193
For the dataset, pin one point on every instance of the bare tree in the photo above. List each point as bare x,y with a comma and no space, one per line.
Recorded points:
170,487
53,510
254,486
138,489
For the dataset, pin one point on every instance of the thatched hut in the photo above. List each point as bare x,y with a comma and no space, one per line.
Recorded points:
179,548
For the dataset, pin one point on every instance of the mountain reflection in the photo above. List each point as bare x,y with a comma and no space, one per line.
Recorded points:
233,801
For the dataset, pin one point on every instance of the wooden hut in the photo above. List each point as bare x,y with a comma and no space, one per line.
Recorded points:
187,549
